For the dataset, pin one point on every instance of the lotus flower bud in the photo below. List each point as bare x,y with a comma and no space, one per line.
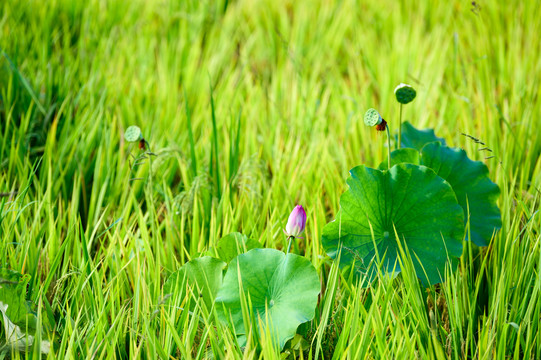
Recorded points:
296,222
404,93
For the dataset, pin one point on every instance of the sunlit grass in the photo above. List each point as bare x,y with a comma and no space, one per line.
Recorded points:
290,82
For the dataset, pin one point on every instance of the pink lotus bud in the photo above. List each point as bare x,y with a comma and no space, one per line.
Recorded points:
296,222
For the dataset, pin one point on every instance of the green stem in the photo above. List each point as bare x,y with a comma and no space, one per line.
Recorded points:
289,245
388,146
399,144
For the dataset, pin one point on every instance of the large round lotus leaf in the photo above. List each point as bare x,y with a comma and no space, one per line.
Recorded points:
133,133
283,290
412,199
415,138
201,277
475,192
234,244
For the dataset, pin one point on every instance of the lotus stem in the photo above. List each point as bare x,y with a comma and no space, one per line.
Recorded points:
389,145
399,144
289,245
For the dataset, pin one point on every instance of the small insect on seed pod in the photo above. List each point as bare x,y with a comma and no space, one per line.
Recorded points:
382,126
142,144
405,93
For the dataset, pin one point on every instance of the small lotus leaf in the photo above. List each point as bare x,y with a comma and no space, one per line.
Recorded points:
283,290
372,117
404,93
233,245
133,133
13,294
415,138
200,276
17,321
408,198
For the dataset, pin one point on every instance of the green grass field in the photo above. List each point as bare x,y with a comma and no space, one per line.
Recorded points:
252,107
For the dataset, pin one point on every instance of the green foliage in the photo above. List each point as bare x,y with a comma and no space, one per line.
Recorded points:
232,245
98,246
282,291
404,155
19,323
198,278
407,206
13,297
415,138
475,192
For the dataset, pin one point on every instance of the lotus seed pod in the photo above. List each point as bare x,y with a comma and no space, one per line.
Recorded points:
133,133
372,117
404,93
